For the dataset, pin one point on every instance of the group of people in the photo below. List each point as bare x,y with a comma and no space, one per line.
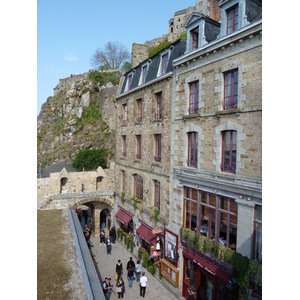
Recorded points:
108,240
134,272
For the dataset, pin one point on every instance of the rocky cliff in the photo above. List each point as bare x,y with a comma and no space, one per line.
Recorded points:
81,114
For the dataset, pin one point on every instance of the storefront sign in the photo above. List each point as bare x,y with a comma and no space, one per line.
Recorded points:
171,246
170,272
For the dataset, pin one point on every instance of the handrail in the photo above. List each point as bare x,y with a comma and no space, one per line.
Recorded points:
93,284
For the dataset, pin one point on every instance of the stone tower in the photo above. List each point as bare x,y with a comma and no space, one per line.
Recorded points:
209,8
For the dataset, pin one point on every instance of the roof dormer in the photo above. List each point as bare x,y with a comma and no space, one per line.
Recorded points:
200,31
236,14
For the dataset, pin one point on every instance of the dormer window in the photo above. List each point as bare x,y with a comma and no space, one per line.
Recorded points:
129,81
232,19
144,74
194,38
164,64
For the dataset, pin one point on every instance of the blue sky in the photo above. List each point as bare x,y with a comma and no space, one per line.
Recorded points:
69,32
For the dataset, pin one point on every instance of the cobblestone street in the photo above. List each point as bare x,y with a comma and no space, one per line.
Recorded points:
107,265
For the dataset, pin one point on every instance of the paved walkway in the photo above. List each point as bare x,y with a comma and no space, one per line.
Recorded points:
107,266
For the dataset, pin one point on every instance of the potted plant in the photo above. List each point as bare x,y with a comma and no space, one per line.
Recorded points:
157,211
199,242
191,238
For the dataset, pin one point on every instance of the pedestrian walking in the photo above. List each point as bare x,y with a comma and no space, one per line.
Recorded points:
113,234
143,284
102,237
120,288
138,270
107,288
119,269
130,276
130,263
108,245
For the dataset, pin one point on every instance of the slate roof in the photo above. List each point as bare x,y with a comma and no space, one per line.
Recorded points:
176,50
57,167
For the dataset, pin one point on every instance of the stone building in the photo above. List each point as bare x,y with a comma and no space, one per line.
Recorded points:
143,137
216,140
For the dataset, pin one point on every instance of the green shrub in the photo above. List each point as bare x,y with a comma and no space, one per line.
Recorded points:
158,48
140,253
208,244
146,257
199,242
184,232
255,271
191,238
152,269
90,159
104,77
90,115
228,253
131,246
123,196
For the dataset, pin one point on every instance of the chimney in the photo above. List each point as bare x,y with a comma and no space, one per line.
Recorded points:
139,53
209,8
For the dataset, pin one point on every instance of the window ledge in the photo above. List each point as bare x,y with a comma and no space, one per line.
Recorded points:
228,111
157,120
191,116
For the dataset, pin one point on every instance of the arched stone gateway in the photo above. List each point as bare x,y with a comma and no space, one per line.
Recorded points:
101,211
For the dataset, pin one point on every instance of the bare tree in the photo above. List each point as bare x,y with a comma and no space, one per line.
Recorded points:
112,56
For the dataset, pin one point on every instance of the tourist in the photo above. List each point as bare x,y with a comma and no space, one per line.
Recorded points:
108,245
130,263
113,234
119,269
107,288
143,283
130,276
102,237
138,270
120,287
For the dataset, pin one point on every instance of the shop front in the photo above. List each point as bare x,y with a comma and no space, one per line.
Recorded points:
145,233
125,219
204,280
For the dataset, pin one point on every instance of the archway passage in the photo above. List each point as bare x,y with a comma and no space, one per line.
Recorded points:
105,219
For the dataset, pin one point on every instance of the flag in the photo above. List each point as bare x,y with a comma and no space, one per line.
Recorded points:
40,170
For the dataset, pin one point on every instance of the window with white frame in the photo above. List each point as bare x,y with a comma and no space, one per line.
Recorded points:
192,149
157,193
124,114
194,39
158,106
193,97
124,145
139,111
257,235
157,145
231,89
138,186
164,64
232,19
229,147
138,146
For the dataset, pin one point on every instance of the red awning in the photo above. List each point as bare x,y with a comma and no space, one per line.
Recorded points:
123,217
145,234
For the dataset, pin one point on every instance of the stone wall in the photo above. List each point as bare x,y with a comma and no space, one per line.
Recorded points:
139,53
77,182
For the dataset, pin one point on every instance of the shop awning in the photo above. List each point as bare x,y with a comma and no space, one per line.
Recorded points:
145,234
123,217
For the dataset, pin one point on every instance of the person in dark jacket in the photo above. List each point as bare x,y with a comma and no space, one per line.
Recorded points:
120,287
119,269
130,263
108,244
113,234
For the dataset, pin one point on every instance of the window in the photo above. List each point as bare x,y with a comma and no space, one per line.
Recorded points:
190,279
144,74
129,81
232,19
194,39
231,89
124,145
138,186
257,236
138,146
164,61
139,110
212,215
157,193
229,139
157,145
194,96
192,149
123,180
124,121
158,106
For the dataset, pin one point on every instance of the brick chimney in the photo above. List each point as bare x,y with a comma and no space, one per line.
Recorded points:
209,8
